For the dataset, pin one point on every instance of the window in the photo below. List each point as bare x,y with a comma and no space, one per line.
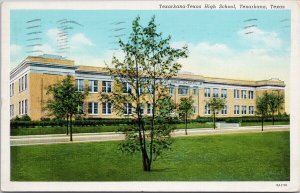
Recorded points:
194,109
20,107
23,83
244,94
12,85
149,108
106,86
216,92
126,88
183,90
224,93
236,94
207,109
93,85
106,108
80,84
244,110
172,90
12,110
150,89
81,109
251,110
195,91
23,107
127,108
236,109
93,108
142,107
251,94
207,92
141,90
224,110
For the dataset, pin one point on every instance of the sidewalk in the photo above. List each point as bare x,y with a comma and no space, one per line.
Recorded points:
112,136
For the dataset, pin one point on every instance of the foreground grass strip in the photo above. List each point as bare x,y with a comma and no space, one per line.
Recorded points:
242,157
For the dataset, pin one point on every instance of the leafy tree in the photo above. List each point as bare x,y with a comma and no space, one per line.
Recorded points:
185,108
262,107
65,101
140,86
275,103
215,105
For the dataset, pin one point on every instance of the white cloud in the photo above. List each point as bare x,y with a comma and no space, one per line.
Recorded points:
261,38
76,41
52,34
222,61
45,48
80,39
98,61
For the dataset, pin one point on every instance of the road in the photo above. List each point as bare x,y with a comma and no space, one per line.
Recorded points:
112,136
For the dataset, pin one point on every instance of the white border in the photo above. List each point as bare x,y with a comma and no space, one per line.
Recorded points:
7,185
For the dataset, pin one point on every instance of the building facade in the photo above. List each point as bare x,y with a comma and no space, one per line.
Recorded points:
31,78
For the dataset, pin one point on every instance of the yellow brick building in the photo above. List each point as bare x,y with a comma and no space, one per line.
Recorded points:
30,79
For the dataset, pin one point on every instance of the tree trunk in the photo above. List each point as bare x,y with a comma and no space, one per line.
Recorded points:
146,161
214,120
186,122
67,131
71,132
262,123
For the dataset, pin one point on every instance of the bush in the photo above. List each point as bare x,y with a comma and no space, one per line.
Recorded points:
24,122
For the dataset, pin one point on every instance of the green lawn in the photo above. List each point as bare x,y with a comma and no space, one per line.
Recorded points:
230,157
265,123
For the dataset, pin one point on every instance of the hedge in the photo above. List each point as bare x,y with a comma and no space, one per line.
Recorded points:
122,121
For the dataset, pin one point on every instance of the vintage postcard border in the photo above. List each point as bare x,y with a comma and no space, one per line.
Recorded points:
7,185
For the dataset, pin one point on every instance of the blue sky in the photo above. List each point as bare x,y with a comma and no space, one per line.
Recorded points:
218,43
191,27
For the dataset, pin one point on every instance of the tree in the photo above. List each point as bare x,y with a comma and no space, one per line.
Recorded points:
262,107
215,105
140,81
185,108
275,103
65,101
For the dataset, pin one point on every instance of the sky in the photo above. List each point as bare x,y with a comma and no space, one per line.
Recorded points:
238,44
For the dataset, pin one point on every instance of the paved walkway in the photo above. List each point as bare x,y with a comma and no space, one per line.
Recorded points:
112,136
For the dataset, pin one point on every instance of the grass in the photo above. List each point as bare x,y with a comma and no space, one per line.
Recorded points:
265,123
232,157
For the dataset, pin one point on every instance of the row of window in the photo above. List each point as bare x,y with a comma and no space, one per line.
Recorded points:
184,90
93,85
215,92
23,83
23,108
107,108
236,94
12,89
243,110
224,111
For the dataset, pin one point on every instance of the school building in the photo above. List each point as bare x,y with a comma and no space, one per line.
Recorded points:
31,78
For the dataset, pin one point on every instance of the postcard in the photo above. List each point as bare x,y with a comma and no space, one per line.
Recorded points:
150,96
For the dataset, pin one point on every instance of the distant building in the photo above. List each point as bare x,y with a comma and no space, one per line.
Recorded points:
30,79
